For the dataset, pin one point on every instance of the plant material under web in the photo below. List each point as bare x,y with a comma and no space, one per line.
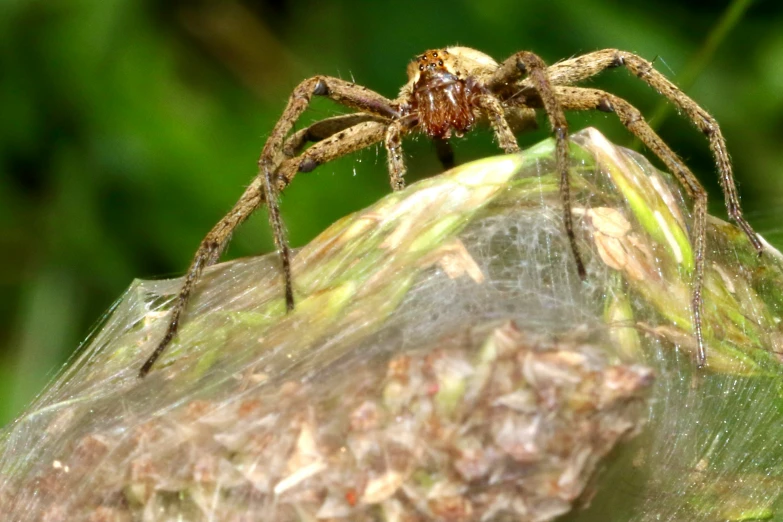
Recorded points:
445,361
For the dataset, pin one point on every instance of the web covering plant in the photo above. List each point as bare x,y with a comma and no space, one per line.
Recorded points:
452,308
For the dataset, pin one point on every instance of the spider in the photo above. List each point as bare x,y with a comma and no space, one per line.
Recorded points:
449,92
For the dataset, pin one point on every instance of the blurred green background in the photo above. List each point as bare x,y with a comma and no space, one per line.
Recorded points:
129,127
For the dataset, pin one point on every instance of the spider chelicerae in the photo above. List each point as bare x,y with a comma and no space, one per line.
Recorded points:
449,92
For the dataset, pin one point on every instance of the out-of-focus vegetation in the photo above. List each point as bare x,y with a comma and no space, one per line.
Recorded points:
130,127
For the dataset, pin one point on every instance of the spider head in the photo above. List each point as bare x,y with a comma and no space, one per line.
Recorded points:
457,62
437,63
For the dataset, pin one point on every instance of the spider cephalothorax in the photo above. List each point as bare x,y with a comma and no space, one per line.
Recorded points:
442,101
449,91
444,91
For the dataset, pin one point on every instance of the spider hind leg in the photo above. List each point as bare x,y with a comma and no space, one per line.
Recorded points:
583,67
581,99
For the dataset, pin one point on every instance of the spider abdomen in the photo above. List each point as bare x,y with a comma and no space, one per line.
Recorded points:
443,104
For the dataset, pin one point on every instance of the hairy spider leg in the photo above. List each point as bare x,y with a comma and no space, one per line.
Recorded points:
525,63
323,129
328,127
350,140
497,119
340,91
264,189
584,99
357,137
394,158
588,65
582,67
207,254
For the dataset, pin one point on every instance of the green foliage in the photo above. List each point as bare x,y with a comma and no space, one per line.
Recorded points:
130,127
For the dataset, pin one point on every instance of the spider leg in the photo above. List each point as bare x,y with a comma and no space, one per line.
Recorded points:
323,129
207,254
497,118
526,63
395,160
343,127
264,188
340,91
350,140
353,139
580,99
583,67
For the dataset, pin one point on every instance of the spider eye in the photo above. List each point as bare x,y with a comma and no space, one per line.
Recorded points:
435,54
421,67
440,63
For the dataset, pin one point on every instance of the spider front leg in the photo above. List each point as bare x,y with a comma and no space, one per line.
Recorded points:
350,140
583,67
323,129
353,139
207,254
525,63
576,98
264,188
340,91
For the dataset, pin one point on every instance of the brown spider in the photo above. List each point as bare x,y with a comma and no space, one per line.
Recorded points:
448,92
